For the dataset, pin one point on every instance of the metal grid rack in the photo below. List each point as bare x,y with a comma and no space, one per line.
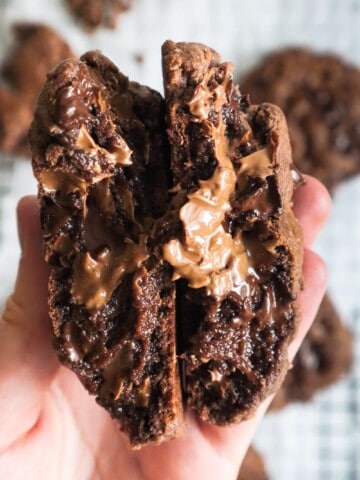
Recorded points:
320,440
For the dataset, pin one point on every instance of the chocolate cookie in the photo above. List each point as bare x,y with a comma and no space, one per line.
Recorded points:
320,96
37,49
99,153
141,247
230,236
324,358
96,13
253,467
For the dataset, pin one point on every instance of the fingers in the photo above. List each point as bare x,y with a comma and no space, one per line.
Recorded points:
27,360
312,205
315,280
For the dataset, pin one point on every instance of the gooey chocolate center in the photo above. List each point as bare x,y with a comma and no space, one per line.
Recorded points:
209,256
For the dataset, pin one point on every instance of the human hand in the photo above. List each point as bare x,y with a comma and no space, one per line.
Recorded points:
52,429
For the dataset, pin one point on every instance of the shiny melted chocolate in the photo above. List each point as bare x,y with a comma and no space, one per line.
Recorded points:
208,255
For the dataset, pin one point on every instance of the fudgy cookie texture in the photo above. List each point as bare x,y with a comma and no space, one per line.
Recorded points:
99,154
161,250
37,49
320,96
96,13
230,236
324,358
253,467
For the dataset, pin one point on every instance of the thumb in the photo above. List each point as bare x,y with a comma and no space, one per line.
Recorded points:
27,360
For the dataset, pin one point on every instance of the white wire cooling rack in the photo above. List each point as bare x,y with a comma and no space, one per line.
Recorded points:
320,440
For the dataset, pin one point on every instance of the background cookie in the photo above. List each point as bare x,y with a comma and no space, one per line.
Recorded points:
320,96
324,357
37,49
253,467
96,13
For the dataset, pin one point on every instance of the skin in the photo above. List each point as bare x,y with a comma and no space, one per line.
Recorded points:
52,429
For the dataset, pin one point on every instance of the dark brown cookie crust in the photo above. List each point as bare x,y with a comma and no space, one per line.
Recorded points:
234,344
324,357
111,302
253,467
320,96
37,49
96,13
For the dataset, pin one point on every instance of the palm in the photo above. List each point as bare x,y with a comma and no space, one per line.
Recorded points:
52,429
75,438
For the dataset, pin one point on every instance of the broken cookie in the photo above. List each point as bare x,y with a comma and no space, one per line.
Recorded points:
173,249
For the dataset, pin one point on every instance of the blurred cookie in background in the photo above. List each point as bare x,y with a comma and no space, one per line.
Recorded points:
324,357
320,96
253,467
98,13
37,48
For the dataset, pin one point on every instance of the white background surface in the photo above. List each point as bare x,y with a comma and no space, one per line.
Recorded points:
319,441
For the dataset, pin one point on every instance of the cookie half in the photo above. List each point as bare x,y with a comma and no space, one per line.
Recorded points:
99,154
325,356
230,236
